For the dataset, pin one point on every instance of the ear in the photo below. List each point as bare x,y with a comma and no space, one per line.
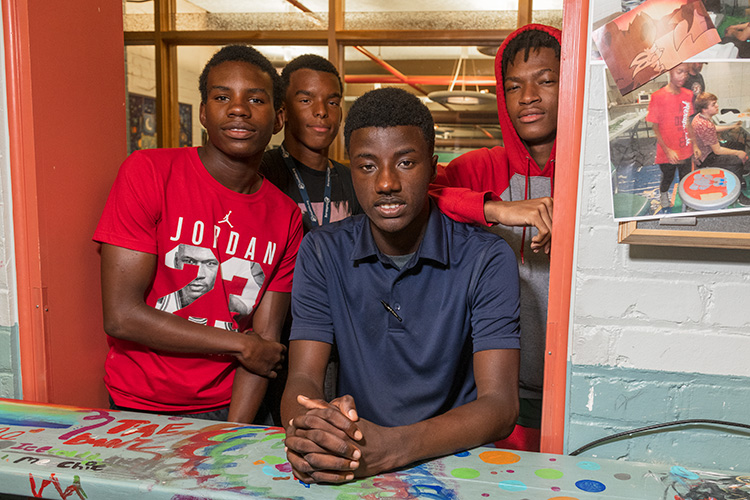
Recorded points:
434,167
202,114
280,120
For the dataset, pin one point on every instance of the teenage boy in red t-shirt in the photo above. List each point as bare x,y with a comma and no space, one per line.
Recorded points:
197,257
669,112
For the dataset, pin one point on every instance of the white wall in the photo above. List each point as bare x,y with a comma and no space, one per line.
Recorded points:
657,333
10,374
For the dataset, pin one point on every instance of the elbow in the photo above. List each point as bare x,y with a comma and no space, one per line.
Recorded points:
117,324
506,418
112,325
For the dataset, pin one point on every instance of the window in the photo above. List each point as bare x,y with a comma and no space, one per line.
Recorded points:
429,47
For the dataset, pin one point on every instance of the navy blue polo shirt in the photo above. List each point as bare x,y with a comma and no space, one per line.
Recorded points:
459,294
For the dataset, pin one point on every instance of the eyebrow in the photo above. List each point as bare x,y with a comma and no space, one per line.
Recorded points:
405,151
534,75
308,93
227,89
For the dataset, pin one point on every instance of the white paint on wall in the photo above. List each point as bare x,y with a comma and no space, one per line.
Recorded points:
10,375
644,307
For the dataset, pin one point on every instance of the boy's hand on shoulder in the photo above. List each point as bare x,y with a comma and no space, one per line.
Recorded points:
535,212
260,356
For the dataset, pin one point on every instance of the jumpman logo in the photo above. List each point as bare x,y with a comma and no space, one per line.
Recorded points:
226,219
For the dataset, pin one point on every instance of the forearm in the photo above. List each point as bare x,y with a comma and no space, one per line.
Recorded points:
164,331
659,139
724,128
726,151
298,384
485,420
461,204
248,390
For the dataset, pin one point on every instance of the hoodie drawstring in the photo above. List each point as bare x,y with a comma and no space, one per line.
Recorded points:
525,197
526,194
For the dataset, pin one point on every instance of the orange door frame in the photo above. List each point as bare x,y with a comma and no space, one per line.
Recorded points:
572,87
29,285
65,83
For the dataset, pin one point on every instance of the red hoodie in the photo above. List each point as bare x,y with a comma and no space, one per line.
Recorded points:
508,173
461,187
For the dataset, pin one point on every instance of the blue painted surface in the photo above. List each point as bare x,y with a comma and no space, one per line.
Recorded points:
627,398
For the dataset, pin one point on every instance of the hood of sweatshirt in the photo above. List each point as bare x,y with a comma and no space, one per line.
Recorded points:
518,155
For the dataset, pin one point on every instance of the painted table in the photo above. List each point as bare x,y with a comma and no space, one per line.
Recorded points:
73,453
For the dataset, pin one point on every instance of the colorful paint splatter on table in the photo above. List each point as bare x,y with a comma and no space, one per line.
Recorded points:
71,453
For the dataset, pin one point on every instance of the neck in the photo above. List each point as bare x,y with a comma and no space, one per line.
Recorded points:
673,88
238,174
540,153
317,159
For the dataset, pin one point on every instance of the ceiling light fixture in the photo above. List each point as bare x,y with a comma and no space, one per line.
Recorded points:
462,99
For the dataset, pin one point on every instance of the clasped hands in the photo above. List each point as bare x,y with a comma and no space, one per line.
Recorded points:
329,443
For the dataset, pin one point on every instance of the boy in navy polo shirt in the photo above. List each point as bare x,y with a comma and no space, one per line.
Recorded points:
423,311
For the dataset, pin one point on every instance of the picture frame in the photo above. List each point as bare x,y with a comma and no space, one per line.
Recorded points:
142,123
720,231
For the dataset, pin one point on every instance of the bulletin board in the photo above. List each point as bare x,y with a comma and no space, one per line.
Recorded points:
715,231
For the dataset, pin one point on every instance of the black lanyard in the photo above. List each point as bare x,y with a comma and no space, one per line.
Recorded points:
303,190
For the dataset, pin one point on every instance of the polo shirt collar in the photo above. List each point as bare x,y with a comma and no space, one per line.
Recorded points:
434,245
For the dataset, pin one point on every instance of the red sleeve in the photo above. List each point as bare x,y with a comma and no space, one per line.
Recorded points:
133,207
654,106
282,281
461,188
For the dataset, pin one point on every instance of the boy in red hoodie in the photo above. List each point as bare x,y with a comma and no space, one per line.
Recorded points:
510,188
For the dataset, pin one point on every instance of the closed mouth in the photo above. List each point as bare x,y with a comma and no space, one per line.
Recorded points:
531,115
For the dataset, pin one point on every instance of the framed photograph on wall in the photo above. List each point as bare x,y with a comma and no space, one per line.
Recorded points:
142,123
644,184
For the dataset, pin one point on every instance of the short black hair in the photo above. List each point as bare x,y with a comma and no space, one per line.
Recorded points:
527,41
308,61
242,53
389,107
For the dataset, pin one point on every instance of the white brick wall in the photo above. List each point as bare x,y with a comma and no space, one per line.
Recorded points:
10,377
659,308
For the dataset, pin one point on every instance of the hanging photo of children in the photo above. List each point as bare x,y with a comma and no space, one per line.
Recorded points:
652,38
679,145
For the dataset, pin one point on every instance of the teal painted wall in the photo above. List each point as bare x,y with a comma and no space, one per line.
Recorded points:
605,400
10,369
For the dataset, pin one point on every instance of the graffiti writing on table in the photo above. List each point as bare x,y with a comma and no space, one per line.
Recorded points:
68,464
73,489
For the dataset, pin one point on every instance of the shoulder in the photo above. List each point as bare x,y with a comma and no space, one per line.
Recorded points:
275,197
339,230
272,167
482,156
474,238
271,157
157,165
336,238
341,169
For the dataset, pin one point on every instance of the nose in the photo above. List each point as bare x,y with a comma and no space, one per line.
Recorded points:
201,272
529,94
320,110
388,180
239,107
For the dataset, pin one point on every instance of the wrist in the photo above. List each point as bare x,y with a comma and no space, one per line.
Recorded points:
491,207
